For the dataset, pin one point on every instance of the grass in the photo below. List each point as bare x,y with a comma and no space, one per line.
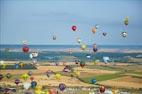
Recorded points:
102,77
26,66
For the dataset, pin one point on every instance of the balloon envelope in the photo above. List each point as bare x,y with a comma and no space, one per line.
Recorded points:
33,84
17,81
26,85
126,21
62,86
94,30
94,81
106,59
25,49
124,34
102,89
74,28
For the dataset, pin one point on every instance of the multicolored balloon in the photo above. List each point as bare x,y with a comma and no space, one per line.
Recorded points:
49,73
95,48
25,49
8,75
33,84
124,34
82,63
62,86
74,28
126,20
17,81
30,73
102,89
77,61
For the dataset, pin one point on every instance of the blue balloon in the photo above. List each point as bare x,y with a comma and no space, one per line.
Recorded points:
16,65
33,84
94,81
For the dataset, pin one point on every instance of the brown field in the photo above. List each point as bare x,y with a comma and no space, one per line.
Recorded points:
124,82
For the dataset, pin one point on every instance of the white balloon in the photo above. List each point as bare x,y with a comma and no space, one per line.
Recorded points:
26,85
1,62
106,59
31,56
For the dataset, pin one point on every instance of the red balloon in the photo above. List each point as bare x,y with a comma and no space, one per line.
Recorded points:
25,49
31,78
82,65
74,28
52,91
102,89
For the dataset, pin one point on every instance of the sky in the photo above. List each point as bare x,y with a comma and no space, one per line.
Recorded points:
37,21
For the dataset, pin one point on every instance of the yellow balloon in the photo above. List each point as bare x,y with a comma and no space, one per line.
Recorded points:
77,73
83,46
38,90
25,76
21,64
58,76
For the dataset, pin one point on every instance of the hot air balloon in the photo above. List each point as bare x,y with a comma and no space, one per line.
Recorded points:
95,48
54,37
8,75
26,85
16,65
124,34
58,76
49,73
21,64
74,28
52,91
17,81
62,86
93,81
25,76
104,33
94,30
78,40
33,84
102,89
106,59
31,78
83,46
25,49
96,26
126,20
82,64
77,61
24,42
30,73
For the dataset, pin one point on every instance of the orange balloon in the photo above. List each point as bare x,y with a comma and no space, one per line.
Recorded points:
94,29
